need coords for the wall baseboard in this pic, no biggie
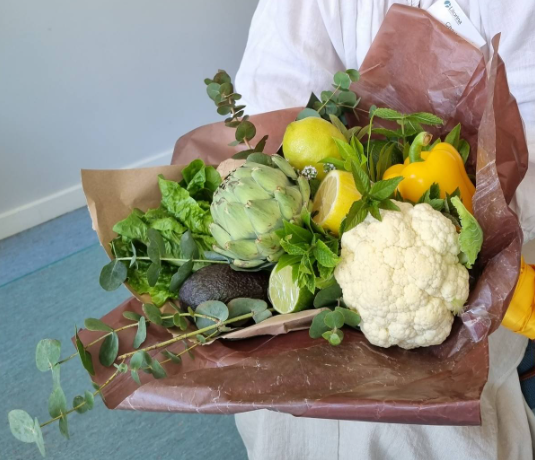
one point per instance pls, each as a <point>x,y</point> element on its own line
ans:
<point>49,207</point>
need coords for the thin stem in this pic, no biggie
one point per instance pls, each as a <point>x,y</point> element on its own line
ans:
<point>189,334</point>
<point>169,259</point>
<point>107,382</point>
<point>107,334</point>
<point>328,99</point>
<point>415,150</point>
<point>368,143</point>
<point>189,348</point>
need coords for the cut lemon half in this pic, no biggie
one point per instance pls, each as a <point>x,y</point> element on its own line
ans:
<point>333,200</point>
<point>285,295</point>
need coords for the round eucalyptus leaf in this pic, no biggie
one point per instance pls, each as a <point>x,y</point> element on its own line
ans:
<point>306,113</point>
<point>89,399</point>
<point>21,425</point>
<point>212,308</point>
<point>318,326</point>
<point>109,350</point>
<point>94,324</point>
<point>38,437</point>
<point>47,354</point>
<point>245,130</point>
<point>328,296</point>
<point>121,368</point>
<point>57,403</point>
<point>354,74</point>
<point>77,401</point>
<point>188,246</point>
<point>262,316</point>
<point>334,319</point>
<point>243,305</point>
<point>213,89</point>
<point>140,359</point>
<point>342,79</point>
<point>113,275</point>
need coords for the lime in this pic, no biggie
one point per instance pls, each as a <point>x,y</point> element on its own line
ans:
<point>285,295</point>
<point>310,140</point>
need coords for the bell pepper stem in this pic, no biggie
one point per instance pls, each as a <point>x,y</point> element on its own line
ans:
<point>420,141</point>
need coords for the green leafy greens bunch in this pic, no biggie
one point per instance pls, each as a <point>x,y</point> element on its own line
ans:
<point>156,250</point>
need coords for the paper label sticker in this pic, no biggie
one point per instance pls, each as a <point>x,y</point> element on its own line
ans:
<point>449,13</point>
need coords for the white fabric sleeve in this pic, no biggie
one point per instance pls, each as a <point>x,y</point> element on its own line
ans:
<point>289,54</point>
<point>515,19</point>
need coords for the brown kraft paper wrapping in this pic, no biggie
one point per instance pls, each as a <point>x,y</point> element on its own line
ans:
<point>414,64</point>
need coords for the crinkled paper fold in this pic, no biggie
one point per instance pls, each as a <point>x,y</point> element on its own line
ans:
<point>414,64</point>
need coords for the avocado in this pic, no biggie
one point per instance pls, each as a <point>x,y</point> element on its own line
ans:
<point>220,282</point>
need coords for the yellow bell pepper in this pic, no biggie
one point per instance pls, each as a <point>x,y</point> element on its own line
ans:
<point>520,316</point>
<point>442,165</point>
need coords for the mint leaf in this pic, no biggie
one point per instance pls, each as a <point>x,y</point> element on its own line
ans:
<point>425,118</point>
<point>387,114</point>
<point>325,256</point>
<point>362,181</point>
<point>357,213</point>
<point>453,136</point>
<point>385,188</point>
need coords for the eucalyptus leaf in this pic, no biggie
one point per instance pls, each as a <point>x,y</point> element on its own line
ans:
<point>47,354</point>
<point>135,377</point>
<point>57,403</point>
<point>188,246</point>
<point>262,316</point>
<point>246,130</point>
<point>153,273</point>
<point>94,324</point>
<point>21,425</point>
<point>306,113</point>
<point>318,326</point>
<point>56,375</point>
<point>157,371</point>
<point>342,79</point>
<point>85,356</point>
<point>38,437</point>
<point>334,337</point>
<point>141,333</point>
<point>133,316</point>
<point>172,356</point>
<point>152,313</point>
<point>113,275</point>
<point>351,318</point>
<point>121,368</point>
<point>89,399</point>
<point>328,296</point>
<point>213,308</point>
<point>79,401</point>
<point>354,74</point>
<point>156,246</point>
<point>334,319</point>
<point>183,272</point>
<point>180,321</point>
<point>109,350</point>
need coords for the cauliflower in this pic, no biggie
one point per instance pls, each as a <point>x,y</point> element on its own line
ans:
<point>403,276</point>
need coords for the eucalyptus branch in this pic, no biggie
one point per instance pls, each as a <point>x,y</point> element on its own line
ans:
<point>95,393</point>
<point>189,334</point>
<point>170,259</point>
<point>322,106</point>
<point>187,350</point>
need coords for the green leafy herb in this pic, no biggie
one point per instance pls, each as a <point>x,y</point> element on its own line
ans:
<point>471,237</point>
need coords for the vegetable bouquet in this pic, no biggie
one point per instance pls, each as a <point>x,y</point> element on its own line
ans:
<point>364,224</point>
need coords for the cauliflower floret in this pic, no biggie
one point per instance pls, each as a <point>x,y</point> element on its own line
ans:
<point>403,276</point>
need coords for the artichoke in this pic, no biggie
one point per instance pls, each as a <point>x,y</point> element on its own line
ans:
<point>251,204</point>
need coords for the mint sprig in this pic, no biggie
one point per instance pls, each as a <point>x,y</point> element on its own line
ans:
<point>374,197</point>
<point>312,253</point>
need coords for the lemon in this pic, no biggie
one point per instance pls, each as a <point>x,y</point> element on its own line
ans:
<point>333,199</point>
<point>285,295</point>
<point>310,140</point>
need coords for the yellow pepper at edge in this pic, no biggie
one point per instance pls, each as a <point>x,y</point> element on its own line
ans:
<point>442,165</point>
<point>520,316</point>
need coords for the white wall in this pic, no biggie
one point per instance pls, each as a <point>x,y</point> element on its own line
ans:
<point>102,84</point>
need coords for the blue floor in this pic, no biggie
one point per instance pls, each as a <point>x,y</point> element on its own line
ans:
<point>49,283</point>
